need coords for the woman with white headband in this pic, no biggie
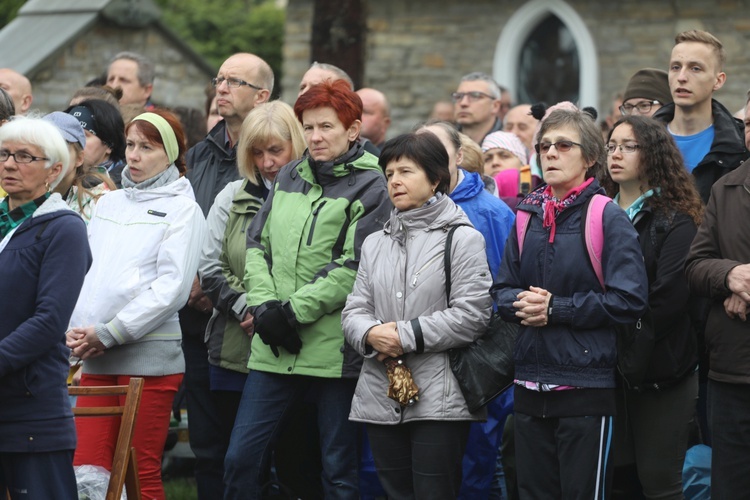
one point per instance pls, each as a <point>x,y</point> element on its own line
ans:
<point>146,240</point>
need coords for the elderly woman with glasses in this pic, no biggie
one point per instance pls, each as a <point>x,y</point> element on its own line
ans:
<point>566,350</point>
<point>44,257</point>
<point>146,241</point>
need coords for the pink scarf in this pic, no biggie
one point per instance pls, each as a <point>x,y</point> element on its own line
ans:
<point>554,207</point>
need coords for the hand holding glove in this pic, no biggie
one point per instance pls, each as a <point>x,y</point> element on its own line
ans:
<point>277,326</point>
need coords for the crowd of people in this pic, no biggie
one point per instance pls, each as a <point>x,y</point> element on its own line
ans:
<point>286,261</point>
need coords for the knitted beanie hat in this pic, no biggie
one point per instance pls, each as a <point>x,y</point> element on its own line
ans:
<point>649,83</point>
<point>507,141</point>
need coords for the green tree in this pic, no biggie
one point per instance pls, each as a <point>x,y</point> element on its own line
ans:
<point>219,28</point>
<point>9,10</point>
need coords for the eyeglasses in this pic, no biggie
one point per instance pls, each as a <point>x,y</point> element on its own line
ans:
<point>233,83</point>
<point>643,107</point>
<point>473,96</point>
<point>624,148</point>
<point>560,146</point>
<point>19,156</point>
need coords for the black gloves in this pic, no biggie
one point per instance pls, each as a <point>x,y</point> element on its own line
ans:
<point>277,326</point>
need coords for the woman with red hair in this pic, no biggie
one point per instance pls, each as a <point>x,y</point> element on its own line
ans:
<point>146,240</point>
<point>302,259</point>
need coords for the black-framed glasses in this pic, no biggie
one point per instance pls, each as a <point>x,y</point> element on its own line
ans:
<point>560,146</point>
<point>233,83</point>
<point>643,107</point>
<point>20,156</point>
<point>473,96</point>
<point>624,148</point>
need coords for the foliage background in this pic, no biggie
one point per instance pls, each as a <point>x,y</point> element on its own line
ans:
<point>215,29</point>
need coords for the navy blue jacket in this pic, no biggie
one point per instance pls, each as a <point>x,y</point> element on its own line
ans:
<point>577,347</point>
<point>490,216</point>
<point>41,273</point>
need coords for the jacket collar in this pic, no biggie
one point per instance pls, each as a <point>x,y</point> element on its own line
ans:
<point>438,215</point>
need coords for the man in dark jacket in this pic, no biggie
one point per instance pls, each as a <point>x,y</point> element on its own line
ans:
<point>718,266</point>
<point>710,138</point>
<point>243,81</point>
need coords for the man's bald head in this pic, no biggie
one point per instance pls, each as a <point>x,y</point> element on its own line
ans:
<point>19,88</point>
<point>376,115</point>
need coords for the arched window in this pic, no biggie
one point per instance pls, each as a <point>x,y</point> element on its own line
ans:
<point>548,65</point>
<point>546,53</point>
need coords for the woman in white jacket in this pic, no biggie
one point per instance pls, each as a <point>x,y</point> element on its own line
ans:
<point>146,241</point>
<point>399,309</point>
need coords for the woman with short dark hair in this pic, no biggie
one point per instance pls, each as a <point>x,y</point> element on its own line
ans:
<point>399,310</point>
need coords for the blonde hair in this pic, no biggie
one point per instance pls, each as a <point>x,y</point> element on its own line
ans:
<point>268,121</point>
<point>473,158</point>
<point>706,38</point>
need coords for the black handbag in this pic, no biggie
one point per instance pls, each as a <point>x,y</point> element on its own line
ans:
<point>484,368</point>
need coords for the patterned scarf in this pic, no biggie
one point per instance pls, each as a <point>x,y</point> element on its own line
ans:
<point>554,207</point>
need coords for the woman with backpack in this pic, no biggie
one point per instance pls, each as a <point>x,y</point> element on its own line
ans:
<point>566,350</point>
<point>647,178</point>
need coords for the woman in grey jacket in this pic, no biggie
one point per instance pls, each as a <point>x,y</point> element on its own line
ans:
<point>398,309</point>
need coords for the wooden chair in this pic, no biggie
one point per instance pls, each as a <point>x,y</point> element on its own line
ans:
<point>124,466</point>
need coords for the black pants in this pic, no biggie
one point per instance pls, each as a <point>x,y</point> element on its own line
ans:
<point>563,457</point>
<point>419,460</point>
<point>729,419</point>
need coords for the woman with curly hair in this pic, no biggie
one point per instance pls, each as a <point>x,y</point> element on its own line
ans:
<point>648,179</point>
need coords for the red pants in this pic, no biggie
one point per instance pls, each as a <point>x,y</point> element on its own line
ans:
<point>97,436</point>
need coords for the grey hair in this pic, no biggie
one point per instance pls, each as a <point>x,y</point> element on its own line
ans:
<point>7,108</point>
<point>343,75</point>
<point>592,142</point>
<point>40,133</point>
<point>483,77</point>
<point>146,72</point>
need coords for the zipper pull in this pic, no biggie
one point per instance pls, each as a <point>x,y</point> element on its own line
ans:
<point>638,324</point>
<point>414,281</point>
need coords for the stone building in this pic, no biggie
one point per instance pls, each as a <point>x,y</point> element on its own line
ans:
<point>62,44</point>
<point>539,49</point>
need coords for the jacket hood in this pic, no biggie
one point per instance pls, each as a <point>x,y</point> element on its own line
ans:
<point>470,187</point>
<point>180,187</point>
<point>53,204</point>
<point>440,214</point>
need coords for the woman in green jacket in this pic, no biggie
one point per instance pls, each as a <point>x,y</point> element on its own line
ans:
<point>302,259</point>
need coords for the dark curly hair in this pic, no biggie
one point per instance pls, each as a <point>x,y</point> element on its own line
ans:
<point>661,166</point>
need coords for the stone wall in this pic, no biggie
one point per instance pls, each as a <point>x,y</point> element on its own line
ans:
<point>179,81</point>
<point>418,50</point>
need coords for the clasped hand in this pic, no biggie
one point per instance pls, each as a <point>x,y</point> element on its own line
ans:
<point>384,339</point>
<point>84,343</point>
<point>532,305</point>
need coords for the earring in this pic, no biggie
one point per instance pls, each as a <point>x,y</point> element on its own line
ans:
<point>48,188</point>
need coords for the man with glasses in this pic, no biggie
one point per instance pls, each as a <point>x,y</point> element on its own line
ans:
<point>710,138</point>
<point>476,104</point>
<point>243,81</point>
<point>646,93</point>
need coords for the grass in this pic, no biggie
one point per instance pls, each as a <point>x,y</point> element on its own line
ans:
<point>180,488</point>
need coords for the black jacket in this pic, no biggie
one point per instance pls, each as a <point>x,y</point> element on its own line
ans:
<point>211,166</point>
<point>727,151</point>
<point>665,245</point>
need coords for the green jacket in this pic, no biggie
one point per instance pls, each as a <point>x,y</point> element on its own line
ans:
<point>304,247</point>
<point>222,270</point>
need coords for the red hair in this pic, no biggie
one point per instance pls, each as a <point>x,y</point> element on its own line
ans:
<point>336,95</point>
<point>150,132</point>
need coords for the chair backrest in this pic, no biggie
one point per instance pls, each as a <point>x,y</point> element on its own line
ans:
<point>124,466</point>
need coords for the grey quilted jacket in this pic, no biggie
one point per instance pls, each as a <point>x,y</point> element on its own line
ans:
<point>401,278</point>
